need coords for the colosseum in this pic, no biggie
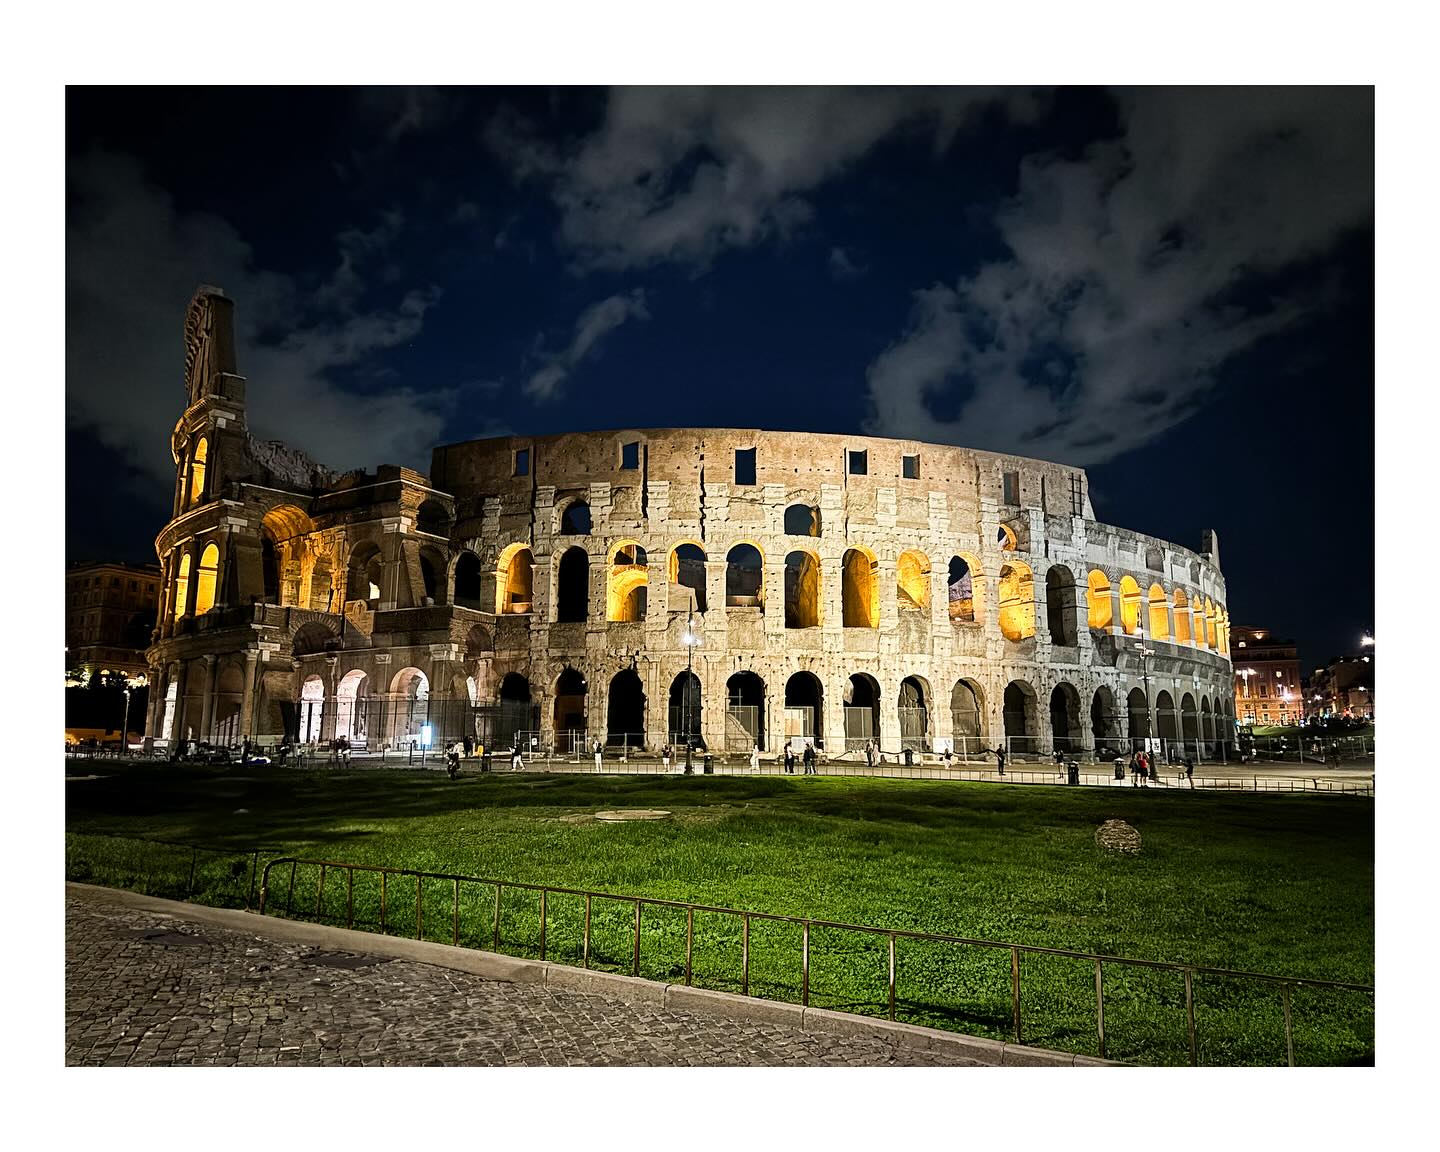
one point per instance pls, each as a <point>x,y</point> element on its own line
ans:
<point>738,586</point>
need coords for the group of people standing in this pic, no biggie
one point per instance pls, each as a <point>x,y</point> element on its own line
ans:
<point>807,758</point>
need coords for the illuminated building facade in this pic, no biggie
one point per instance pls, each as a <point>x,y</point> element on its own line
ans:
<point>1267,678</point>
<point>109,615</point>
<point>555,590</point>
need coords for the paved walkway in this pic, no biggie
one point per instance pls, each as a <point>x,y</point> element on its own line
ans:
<point>146,988</point>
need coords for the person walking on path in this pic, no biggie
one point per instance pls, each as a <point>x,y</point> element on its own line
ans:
<point>789,760</point>
<point>1190,771</point>
<point>1000,756</point>
<point>810,759</point>
<point>755,757</point>
<point>599,754</point>
<point>1154,770</point>
<point>665,758</point>
<point>1135,769</point>
<point>516,763</point>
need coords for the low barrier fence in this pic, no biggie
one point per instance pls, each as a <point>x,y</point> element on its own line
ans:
<point>1166,1012</point>
<point>224,878</point>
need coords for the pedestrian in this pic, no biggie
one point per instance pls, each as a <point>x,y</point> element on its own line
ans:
<point>755,758</point>
<point>452,759</point>
<point>469,746</point>
<point>1134,770</point>
<point>789,760</point>
<point>810,759</point>
<point>665,758</point>
<point>948,756</point>
<point>599,751</point>
<point>1154,770</point>
<point>1000,756</point>
<point>869,754</point>
<point>516,762</point>
<point>1190,770</point>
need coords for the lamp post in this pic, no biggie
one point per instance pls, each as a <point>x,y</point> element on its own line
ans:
<point>1245,674</point>
<point>125,723</point>
<point>691,641</point>
<point>1145,653</point>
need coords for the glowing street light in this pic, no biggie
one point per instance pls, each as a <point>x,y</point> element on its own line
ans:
<point>1367,641</point>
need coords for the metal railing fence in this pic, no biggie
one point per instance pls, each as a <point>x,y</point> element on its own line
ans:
<point>155,867</point>
<point>891,938</point>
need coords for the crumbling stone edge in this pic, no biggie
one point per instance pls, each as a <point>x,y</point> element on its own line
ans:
<point>636,989</point>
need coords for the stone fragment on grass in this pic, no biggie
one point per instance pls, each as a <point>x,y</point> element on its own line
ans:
<point>1118,836</point>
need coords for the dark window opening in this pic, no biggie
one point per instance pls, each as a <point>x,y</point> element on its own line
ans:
<point>745,466</point>
<point>522,462</point>
<point>858,464</point>
<point>1012,488</point>
<point>630,455</point>
<point>910,467</point>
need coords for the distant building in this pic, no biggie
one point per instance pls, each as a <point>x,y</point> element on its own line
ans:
<point>109,615</point>
<point>1345,687</point>
<point>1267,678</point>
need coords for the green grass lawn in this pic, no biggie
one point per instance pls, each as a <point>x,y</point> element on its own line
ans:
<point>1272,883</point>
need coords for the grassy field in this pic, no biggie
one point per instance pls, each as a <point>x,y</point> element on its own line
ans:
<point>1280,884</point>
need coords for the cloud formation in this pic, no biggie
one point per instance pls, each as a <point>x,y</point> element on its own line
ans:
<point>680,174</point>
<point>1135,271</point>
<point>133,260</point>
<point>600,318</point>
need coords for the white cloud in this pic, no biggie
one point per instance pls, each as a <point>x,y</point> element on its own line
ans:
<point>842,267</point>
<point>133,260</point>
<point>682,174</point>
<point>594,323</point>
<point>1119,301</point>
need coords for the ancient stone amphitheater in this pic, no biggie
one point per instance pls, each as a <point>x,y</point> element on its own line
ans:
<point>743,586</point>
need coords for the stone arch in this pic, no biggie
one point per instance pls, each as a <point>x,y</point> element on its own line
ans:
<point>802,590</point>
<point>805,708</point>
<point>515,714</point>
<point>1159,613</point>
<point>1210,624</point>
<point>861,703</point>
<point>351,715</point>
<point>312,709</point>
<point>912,581</point>
<point>569,711</point>
<point>625,710</point>
<point>967,717</point>
<point>861,605</point>
<point>802,520</point>
<point>515,581</point>
<point>914,713</point>
<point>468,580</point>
<point>312,638</point>
<point>1207,721</point>
<point>745,576</point>
<point>575,519</point>
<point>206,578</point>
<point>1060,606</point>
<point>687,569</point>
<point>1154,558</point>
<point>1017,601</point>
<point>1166,720</point>
<point>479,644</point>
<point>1065,732</point>
<point>686,709</point>
<point>1182,617</point>
<point>1104,718</point>
<point>1138,715</point>
<point>182,584</point>
<point>363,573</point>
<point>1189,720</point>
<point>572,586</point>
<point>283,553</point>
<point>1197,616</point>
<point>745,711</point>
<point>1100,611</point>
<point>432,575</point>
<point>196,491</point>
<point>433,517</point>
<point>1006,539</point>
<point>1129,605</point>
<point>961,589</point>
<point>1022,722</point>
<point>627,587</point>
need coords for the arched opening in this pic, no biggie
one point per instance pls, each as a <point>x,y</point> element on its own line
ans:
<point>685,709</point>
<point>411,692</point>
<point>206,579</point>
<point>967,718</point>
<point>433,517</point>
<point>313,638</point>
<point>1166,721</point>
<point>744,582</point>
<point>322,585</point>
<point>627,598</point>
<point>1210,624</point>
<point>1197,615</point>
<point>1097,600</point>
<point>804,710</point>
<point>802,590</point>
<point>351,720</point>
<point>569,717</point>
<point>1065,719</point>
<point>914,712</point>
<point>961,591</point>
<point>1104,720</point>
<point>282,563</point>
<point>514,715</point>
<point>862,710</point>
<point>625,710</point>
<point>182,585</point>
<point>575,519</point>
<point>1159,613</point>
<point>515,581</point>
<point>1154,559</point>
<point>467,581</point>
<point>1182,617</point>
<point>312,709</point>
<point>1138,715</point>
<point>1129,605</point>
<point>1207,722</point>
<point>197,471</point>
<point>744,712</point>
<point>861,605</point>
<point>167,723</point>
<point>572,593</point>
<point>1060,606</point>
<point>432,581</point>
<point>363,574</point>
<point>912,582</point>
<point>802,520</point>
<point>1017,602</point>
<point>687,569</point>
<point>1006,538</point>
<point>1189,721</point>
<point>229,699</point>
<point>1021,720</point>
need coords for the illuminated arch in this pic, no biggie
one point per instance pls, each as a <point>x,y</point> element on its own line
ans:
<point>745,576</point>
<point>1098,601</point>
<point>1159,613</point>
<point>802,590</point>
<point>1129,605</point>
<point>914,713</point>
<point>1210,624</point>
<point>205,579</point>
<point>861,605</point>
<point>963,587</point>
<point>628,583</point>
<point>350,715</point>
<point>1182,617</point>
<point>1006,538</point>
<point>1017,601</point>
<point>1197,613</point>
<point>312,709</point>
<point>182,585</point>
<point>197,471</point>
<point>687,569</point>
<point>912,581</point>
<point>515,581</point>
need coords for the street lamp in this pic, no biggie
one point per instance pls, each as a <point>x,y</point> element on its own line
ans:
<point>691,641</point>
<point>125,723</point>
<point>1367,641</point>
<point>1145,653</point>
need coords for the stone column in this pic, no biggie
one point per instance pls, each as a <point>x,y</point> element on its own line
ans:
<point>177,726</point>
<point>327,717</point>
<point>247,703</point>
<point>207,700</point>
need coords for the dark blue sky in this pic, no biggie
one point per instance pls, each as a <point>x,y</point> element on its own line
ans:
<point>1172,288</point>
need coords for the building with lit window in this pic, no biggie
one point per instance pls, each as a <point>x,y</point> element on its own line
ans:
<point>1345,687</point>
<point>109,616</point>
<point>1267,678</point>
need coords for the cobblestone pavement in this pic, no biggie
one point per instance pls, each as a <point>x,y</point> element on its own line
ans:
<point>144,988</point>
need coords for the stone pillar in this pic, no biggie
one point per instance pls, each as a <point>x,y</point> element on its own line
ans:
<point>247,703</point>
<point>327,717</point>
<point>207,700</point>
<point>177,726</point>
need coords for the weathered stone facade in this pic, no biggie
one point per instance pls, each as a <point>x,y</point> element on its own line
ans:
<point>840,588</point>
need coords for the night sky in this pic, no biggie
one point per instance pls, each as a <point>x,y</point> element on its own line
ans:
<point>1173,288</point>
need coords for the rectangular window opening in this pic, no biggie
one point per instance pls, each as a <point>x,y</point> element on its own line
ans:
<point>522,462</point>
<point>745,466</point>
<point>1012,488</point>
<point>858,463</point>
<point>910,467</point>
<point>630,455</point>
